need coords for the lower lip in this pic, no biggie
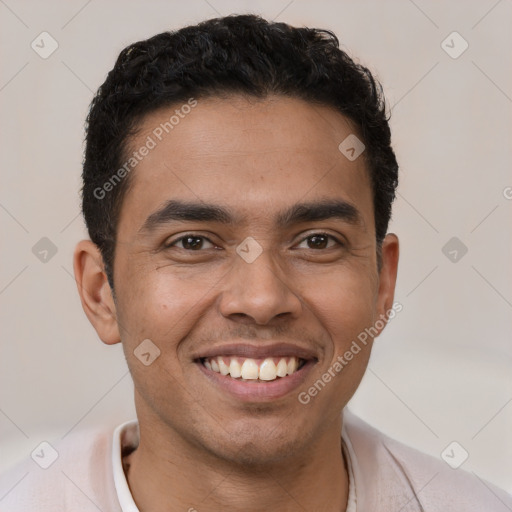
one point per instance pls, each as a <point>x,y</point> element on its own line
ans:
<point>250,391</point>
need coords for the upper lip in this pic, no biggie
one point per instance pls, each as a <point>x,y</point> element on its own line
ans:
<point>259,351</point>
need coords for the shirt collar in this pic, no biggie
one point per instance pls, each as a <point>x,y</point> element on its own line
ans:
<point>126,439</point>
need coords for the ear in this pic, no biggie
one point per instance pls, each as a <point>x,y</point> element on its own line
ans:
<point>95,292</point>
<point>387,276</point>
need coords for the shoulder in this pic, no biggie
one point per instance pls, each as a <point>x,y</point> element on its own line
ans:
<point>74,474</point>
<point>391,474</point>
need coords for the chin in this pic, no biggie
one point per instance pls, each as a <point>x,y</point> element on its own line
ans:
<point>254,446</point>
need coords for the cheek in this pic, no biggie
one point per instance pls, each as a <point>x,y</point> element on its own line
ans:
<point>162,305</point>
<point>344,303</point>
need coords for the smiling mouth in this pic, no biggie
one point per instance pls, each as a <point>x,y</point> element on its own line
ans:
<point>247,369</point>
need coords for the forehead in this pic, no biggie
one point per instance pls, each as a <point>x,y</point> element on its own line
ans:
<point>255,156</point>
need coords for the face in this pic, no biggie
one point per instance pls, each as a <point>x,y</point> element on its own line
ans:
<point>246,245</point>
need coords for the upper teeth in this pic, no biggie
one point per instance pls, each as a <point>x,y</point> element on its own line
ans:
<point>252,369</point>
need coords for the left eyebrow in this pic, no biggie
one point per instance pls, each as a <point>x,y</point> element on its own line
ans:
<point>320,210</point>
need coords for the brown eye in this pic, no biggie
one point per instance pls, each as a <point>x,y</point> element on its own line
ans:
<point>192,243</point>
<point>317,242</point>
<point>320,241</point>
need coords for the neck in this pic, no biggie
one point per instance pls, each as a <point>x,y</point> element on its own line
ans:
<point>164,473</point>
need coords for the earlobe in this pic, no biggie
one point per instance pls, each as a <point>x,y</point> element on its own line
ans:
<point>387,275</point>
<point>95,292</point>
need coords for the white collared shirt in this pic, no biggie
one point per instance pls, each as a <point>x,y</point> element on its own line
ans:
<point>85,474</point>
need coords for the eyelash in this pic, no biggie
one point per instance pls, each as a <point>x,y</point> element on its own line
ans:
<point>193,235</point>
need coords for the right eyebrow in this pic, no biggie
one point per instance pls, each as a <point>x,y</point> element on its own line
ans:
<point>187,211</point>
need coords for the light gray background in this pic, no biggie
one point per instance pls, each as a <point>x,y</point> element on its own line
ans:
<point>441,371</point>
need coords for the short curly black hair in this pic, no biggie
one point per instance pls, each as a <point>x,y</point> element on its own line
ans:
<point>238,54</point>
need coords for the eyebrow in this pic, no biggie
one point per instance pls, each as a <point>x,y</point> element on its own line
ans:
<point>320,210</point>
<point>175,210</point>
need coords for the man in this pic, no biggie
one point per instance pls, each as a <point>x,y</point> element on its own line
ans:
<point>238,182</point>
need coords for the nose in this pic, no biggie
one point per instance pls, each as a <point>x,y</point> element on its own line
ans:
<point>258,292</point>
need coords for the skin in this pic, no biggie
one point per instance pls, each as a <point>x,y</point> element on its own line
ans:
<point>201,447</point>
